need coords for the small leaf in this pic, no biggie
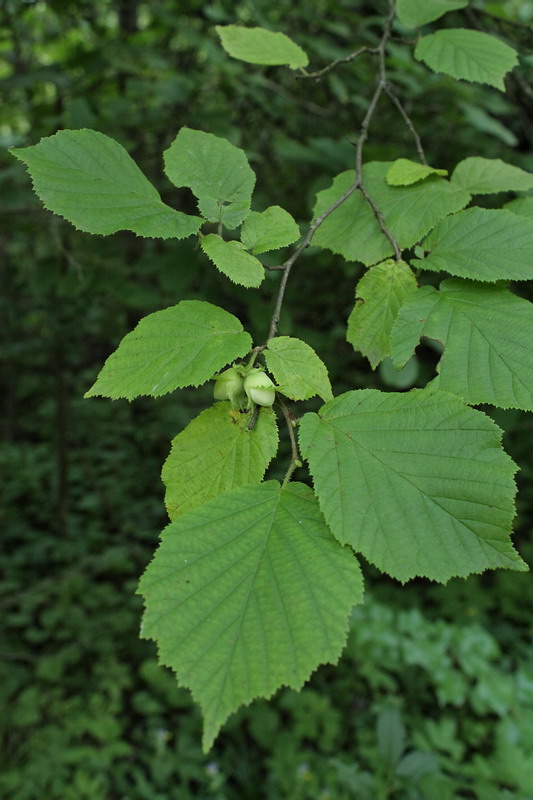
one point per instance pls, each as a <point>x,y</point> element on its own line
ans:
<point>247,593</point>
<point>404,172</point>
<point>416,13</point>
<point>216,171</point>
<point>91,181</point>
<point>269,230</point>
<point>259,46</point>
<point>379,295</point>
<point>467,55</point>
<point>482,244</point>
<point>215,453</point>
<point>232,260</point>
<point>298,371</point>
<point>183,345</point>
<point>487,333</point>
<point>489,175</point>
<point>416,482</point>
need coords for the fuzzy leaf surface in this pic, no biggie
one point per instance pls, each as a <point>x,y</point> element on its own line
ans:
<point>216,171</point>
<point>488,175</point>
<point>233,261</point>
<point>404,172</point>
<point>269,230</point>
<point>299,372</point>
<point>487,333</point>
<point>183,345</point>
<point>467,55</point>
<point>379,295</point>
<point>416,13</point>
<point>416,482</point>
<point>409,212</point>
<point>90,180</point>
<point>260,46</point>
<point>482,244</point>
<point>523,206</point>
<point>247,593</point>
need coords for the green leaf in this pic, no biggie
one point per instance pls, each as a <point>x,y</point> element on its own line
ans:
<point>416,13</point>
<point>259,46</point>
<point>489,175</point>
<point>487,333</point>
<point>216,171</point>
<point>298,371</point>
<point>409,212</point>
<point>232,260</point>
<point>523,206</point>
<point>379,295</point>
<point>248,593</point>
<point>482,244</point>
<point>183,345</point>
<point>91,181</point>
<point>404,172</point>
<point>467,55</point>
<point>215,453</point>
<point>416,482</point>
<point>269,230</point>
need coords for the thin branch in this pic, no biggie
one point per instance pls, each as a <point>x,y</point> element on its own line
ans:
<point>344,60</point>
<point>295,461</point>
<point>408,121</point>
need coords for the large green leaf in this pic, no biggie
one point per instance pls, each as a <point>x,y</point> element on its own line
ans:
<point>183,345</point>
<point>260,46</point>
<point>215,453</point>
<point>298,371</point>
<point>269,230</point>
<point>482,244</point>
<point>416,482</point>
<point>487,175</point>
<point>416,13</point>
<point>409,212</point>
<point>232,260</point>
<point>467,55</point>
<point>247,593</point>
<point>487,333</point>
<point>90,180</point>
<point>216,171</point>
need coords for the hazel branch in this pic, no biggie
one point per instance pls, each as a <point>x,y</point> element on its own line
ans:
<point>334,64</point>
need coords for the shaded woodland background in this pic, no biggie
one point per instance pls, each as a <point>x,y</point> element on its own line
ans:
<point>434,696</point>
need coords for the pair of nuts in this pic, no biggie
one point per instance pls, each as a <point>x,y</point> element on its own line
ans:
<point>256,385</point>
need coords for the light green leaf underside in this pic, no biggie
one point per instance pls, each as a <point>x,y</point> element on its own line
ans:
<point>523,206</point>
<point>416,13</point>
<point>482,244</point>
<point>409,212</point>
<point>232,260</point>
<point>467,55</point>
<point>297,369</point>
<point>216,171</point>
<point>247,593</point>
<point>404,172</point>
<point>269,230</point>
<point>488,175</point>
<point>487,333</point>
<point>259,46</point>
<point>216,453</point>
<point>416,482</point>
<point>183,345</point>
<point>379,295</point>
<point>91,181</point>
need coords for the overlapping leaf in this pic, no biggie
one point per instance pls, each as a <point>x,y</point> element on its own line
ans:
<point>523,206</point>
<point>379,295</point>
<point>297,369</point>
<point>269,230</point>
<point>216,171</point>
<point>482,244</point>
<point>409,212</point>
<point>404,172</point>
<point>467,55</point>
<point>416,482</point>
<point>487,333</point>
<point>215,453</point>
<point>247,593</point>
<point>487,175</point>
<point>416,13</point>
<point>183,345</point>
<point>232,260</point>
<point>260,46</point>
<point>91,181</point>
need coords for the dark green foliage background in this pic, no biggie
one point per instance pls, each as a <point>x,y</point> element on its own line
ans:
<point>86,712</point>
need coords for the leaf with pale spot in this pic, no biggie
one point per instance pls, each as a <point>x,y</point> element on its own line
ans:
<point>299,372</point>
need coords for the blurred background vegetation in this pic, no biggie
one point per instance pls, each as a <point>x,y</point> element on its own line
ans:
<point>434,696</point>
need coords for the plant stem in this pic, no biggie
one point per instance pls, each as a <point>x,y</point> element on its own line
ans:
<point>295,461</point>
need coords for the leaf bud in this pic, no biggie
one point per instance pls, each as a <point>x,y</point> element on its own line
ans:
<point>228,386</point>
<point>259,388</point>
